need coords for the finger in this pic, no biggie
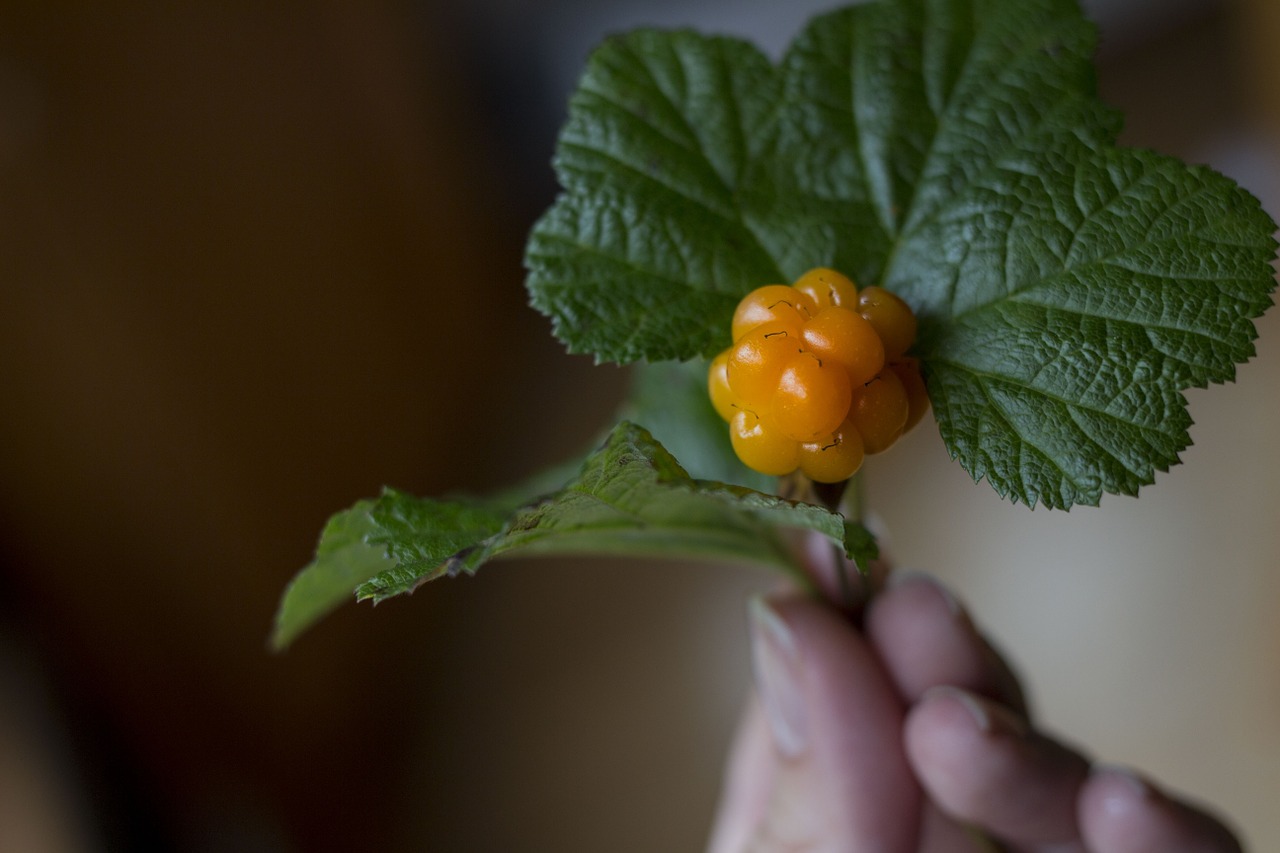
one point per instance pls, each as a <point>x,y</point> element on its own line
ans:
<point>1122,813</point>
<point>842,780</point>
<point>981,764</point>
<point>836,577</point>
<point>926,640</point>
<point>749,779</point>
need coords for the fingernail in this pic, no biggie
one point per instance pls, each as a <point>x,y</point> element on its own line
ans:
<point>778,678</point>
<point>1128,778</point>
<point>1123,792</point>
<point>990,718</point>
<point>911,576</point>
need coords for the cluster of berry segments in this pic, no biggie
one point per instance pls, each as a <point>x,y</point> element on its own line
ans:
<point>817,376</point>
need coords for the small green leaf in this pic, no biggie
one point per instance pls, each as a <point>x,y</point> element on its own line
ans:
<point>631,497</point>
<point>343,561</point>
<point>396,536</point>
<point>952,150</point>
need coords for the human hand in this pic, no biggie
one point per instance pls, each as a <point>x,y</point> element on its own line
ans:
<point>899,734</point>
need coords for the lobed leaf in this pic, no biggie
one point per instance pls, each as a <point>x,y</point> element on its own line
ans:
<point>1058,353</point>
<point>952,150</point>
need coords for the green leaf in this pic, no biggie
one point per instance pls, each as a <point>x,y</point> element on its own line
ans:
<point>647,253</point>
<point>343,561</point>
<point>952,150</point>
<point>427,539</point>
<point>630,497</point>
<point>694,170</point>
<point>1057,359</point>
<point>397,536</point>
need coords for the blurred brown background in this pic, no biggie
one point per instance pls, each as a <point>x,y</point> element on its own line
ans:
<point>260,261</point>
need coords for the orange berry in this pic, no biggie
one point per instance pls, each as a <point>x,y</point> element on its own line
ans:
<point>879,411</point>
<point>812,398</point>
<point>722,398</point>
<point>892,318</point>
<point>817,376</point>
<point>772,303</point>
<point>833,458</point>
<point>756,360</point>
<point>761,446</point>
<point>908,370</point>
<point>828,287</point>
<point>839,335</point>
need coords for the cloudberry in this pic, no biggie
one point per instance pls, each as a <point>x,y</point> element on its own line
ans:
<point>817,376</point>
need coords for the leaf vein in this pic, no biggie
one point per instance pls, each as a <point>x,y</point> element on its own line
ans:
<point>983,377</point>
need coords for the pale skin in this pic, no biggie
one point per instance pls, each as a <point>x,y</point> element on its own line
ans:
<point>900,730</point>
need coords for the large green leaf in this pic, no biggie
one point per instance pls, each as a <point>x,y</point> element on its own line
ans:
<point>1058,355</point>
<point>952,150</point>
<point>695,170</point>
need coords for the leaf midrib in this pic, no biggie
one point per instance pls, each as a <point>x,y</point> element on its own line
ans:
<point>943,127</point>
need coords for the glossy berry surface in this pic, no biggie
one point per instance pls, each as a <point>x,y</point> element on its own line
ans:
<point>722,397</point>
<point>908,371</point>
<point>892,319</point>
<point>839,335</point>
<point>812,397</point>
<point>833,458</point>
<point>772,303</point>
<point>761,446</point>
<point>827,287</point>
<point>879,412</point>
<point>756,361</point>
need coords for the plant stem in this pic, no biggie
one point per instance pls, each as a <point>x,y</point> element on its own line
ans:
<point>845,498</point>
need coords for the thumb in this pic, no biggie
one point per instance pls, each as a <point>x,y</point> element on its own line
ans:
<point>839,778</point>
